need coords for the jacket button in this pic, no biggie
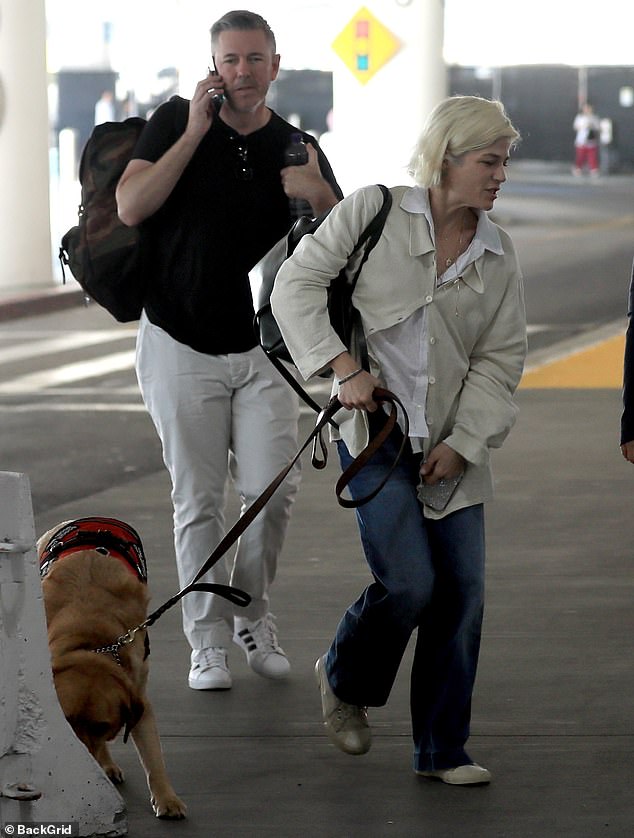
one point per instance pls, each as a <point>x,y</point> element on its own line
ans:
<point>432,380</point>
<point>428,298</point>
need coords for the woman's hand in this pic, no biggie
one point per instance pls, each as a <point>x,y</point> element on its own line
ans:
<point>442,463</point>
<point>357,393</point>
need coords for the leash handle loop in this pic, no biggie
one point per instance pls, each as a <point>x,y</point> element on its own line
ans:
<point>381,396</point>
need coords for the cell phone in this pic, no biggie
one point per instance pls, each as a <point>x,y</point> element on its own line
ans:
<point>438,495</point>
<point>218,99</point>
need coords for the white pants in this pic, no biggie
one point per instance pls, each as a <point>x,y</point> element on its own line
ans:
<point>220,415</point>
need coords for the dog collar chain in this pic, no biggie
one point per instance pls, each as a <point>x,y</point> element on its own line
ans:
<point>112,649</point>
<point>124,640</point>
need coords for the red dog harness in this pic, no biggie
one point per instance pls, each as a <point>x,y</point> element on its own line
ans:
<point>108,536</point>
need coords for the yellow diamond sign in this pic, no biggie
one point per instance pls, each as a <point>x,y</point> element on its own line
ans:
<point>365,45</point>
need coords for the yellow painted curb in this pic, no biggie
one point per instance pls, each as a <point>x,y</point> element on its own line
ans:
<point>599,366</point>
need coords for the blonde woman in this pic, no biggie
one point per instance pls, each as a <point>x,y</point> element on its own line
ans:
<point>442,310</point>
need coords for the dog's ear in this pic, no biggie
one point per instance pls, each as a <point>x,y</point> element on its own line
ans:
<point>131,714</point>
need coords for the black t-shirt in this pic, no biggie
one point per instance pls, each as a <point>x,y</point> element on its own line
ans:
<point>227,209</point>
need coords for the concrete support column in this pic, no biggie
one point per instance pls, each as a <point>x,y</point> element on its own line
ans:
<point>46,773</point>
<point>376,124</point>
<point>25,239</point>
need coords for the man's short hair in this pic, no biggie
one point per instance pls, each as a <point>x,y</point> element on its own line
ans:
<point>244,21</point>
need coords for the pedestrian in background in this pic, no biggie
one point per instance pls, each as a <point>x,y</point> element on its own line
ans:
<point>442,310</point>
<point>105,109</point>
<point>208,186</point>
<point>587,128</point>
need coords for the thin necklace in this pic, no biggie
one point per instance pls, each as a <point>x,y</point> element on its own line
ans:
<point>449,260</point>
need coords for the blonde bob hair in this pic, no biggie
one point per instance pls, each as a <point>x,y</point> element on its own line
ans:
<point>457,125</point>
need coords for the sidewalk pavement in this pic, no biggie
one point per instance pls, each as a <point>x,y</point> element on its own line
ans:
<point>552,715</point>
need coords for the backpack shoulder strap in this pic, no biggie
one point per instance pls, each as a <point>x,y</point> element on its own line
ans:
<point>294,383</point>
<point>371,234</point>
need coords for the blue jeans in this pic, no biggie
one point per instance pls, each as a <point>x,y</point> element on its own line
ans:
<point>428,575</point>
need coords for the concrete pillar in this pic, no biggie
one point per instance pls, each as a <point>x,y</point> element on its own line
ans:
<point>46,773</point>
<point>376,124</point>
<point>25,240</point>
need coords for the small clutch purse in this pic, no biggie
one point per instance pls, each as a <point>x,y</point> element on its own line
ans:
<point>438,496</point>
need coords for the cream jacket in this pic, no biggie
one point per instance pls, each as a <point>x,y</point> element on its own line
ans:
<point>476,327</point>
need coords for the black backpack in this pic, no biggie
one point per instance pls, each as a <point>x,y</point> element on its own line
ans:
<point>342,313</point>
<point>102,253</point>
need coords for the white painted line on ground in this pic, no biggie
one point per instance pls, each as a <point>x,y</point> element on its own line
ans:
<point>99,392</point>
<point>73,407</point>
<point>68,373</point>
<point>60,343</point>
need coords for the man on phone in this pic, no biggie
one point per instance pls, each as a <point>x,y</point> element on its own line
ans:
<point>208,186</point>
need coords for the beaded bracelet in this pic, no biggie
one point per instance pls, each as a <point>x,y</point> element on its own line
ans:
<point>350,375</point>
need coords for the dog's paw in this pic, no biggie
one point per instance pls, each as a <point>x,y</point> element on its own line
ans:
<point>114,773</point>
<point>169,807</point>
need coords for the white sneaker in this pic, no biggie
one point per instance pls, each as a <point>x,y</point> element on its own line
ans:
<point>462,775</point>
<point>209,670</point>
<point>346,724</point>
<point>258,640</point>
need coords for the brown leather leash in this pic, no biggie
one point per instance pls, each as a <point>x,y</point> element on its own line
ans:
<point>241,598</point>
<point>381,396</point>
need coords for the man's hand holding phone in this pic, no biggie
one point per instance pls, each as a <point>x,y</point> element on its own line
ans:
<point>308,184</point>
<point>217,89</point>
<point>205,104</point>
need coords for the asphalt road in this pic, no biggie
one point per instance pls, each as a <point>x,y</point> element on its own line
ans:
<point>574,238</point>
<point>70,413</point>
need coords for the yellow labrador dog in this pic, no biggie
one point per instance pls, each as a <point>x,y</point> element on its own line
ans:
<point>94,582</point>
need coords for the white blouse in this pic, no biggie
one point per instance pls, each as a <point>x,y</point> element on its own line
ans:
<point>401,350</point>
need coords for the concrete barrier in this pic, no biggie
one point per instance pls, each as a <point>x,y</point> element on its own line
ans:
<point>46,774</point>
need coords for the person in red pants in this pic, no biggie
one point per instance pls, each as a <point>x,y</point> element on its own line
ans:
<point>586,126</point>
